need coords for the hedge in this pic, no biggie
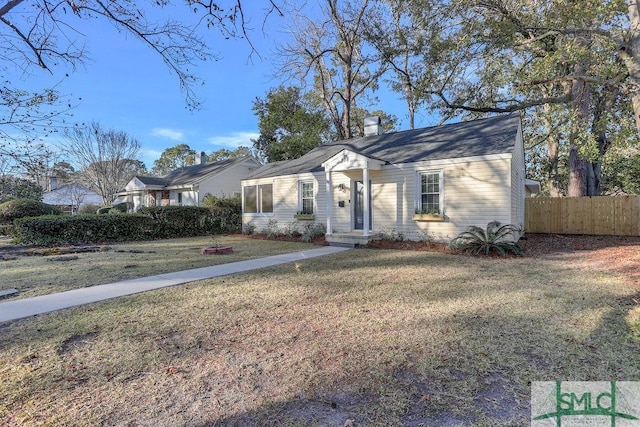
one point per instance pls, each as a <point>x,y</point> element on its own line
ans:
<point>49,229</point>
<point>223,216</point>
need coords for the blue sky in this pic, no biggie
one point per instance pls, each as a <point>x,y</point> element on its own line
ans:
<point>125,86</point>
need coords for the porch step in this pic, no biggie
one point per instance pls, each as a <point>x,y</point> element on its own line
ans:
<point>348,240</point>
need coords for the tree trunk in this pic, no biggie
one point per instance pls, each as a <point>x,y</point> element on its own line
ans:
<point>554,178</point>
<point>581,98</point>
<point>577,174</point>
<point>553,150</point>
<point>630,54</point>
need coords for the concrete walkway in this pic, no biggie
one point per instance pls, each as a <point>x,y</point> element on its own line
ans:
<point>12,310</point>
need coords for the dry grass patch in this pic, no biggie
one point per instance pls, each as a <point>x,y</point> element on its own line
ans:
<point>39,271</point>
<point>372,337</point>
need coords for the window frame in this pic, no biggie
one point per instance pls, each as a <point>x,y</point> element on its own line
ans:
<point>419,193</point>
<point>302,198</point>
<point>260,202</point>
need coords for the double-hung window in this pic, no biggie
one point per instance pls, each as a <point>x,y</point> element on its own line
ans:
<point>306,197</point>
<point>430,196</point>
<point>258,198</point>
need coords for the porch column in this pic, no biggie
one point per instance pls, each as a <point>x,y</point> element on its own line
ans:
<point>329,188</point>
<point>366,197</point>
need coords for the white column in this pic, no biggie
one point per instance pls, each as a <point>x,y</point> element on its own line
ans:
<point>329,188</point>
<point>366,197</point>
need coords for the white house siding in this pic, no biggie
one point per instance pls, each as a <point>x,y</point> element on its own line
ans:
<point>518,178</point>
<point>475,193</point>
<point>189,197</point>
<point>285,201</point>
<point>226,183</point>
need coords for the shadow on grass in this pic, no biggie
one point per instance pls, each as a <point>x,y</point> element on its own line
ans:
<point>386,338</point>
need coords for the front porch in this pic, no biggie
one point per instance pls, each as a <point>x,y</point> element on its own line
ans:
<point>350,239</point>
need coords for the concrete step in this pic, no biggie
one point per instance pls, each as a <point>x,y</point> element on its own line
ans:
<point>348,240</point>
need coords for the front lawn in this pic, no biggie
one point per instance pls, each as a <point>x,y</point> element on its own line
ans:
<point>364,337</point>
<point>41,270</point>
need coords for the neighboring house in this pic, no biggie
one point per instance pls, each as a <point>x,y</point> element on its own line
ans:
<point>71,197</point>
<point>189,185</point>
<point>423,183</point>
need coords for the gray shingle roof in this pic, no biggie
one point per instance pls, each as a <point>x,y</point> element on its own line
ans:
<point>494,135</point>
<point>190,174</point>
<point>152,180</point>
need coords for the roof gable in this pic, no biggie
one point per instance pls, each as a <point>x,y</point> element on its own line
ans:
<point>348,160</point>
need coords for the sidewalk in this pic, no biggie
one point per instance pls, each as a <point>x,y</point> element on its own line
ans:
<point>18,309</point>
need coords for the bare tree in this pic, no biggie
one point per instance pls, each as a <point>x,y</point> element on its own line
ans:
<point>331,51</point>
<point>43,35</point>
<point>103,156</point>
<point>406,35</point>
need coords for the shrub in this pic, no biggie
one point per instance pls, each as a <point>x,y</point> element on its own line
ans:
<point>89,208</point>
<point>291,229</point>
<point>177,221</point>
<point>45,230</point>
<point>120,207</point>
<point>272,230</point>
<point>495,238</point>
<point>249,228</point>
<point>20,208</point>
<point>391,235</point>
<point>313,231</point>
<point>103,210</point>
<point>225,214</point>
<point>18,188</point>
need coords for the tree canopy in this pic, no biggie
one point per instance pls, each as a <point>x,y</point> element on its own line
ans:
<point>225,153</point>
<point>173,158</point>
<point>41,35</point>
<point>289,123</point>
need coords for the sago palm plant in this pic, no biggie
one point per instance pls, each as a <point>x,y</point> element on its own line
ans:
<point>495,237</point>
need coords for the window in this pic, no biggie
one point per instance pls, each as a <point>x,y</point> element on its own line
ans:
<point>258,198</point>
<point>265,193</point>
<point>306,197</point>
<point>430,193</point>
<point>179,199</point>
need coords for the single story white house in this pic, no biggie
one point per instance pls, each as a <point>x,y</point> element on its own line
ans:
<point>188,186</point>
<point>71,197</point>
<point>424,183</point>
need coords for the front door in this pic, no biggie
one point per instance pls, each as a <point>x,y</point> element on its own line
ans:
<point>358,206</point>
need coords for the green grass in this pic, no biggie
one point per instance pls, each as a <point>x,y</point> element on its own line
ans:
<point>56,272</point>
<point>375,337</point>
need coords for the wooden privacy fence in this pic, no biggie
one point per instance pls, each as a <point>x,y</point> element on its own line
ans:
<point>609,215</point>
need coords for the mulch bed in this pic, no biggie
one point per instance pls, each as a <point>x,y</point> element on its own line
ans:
<point>617,254</point>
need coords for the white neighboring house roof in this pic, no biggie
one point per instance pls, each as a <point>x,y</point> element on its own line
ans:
<point>72,194</point>
<point>186,177</point>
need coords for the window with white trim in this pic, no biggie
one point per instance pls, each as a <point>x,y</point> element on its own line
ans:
<point>430,196</point>
<point>306,202</point>
<point>258,198</point>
